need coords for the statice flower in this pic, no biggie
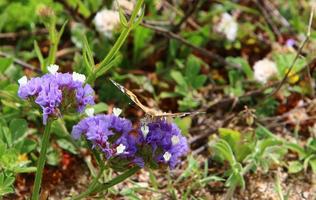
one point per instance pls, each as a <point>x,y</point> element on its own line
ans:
<point>57,93</point>
<point>110,133</point>
<point>167,145</point>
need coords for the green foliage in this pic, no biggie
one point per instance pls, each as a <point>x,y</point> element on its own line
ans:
<point>187,83</point>
<point>307,156</point>
<point>6,183</point>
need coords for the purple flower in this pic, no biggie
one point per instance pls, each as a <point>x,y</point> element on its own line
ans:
<point>57,93</point>
<point>156,143</point>
<point>110,133</point>
<point>290,42</point>
<point>166,142</point>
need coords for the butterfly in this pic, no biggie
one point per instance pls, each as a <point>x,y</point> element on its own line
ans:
<point>151,112</point>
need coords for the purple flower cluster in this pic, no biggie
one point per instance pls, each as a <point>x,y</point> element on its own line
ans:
<point>166,142</point>
<point>111,134</point>
<point>157,142</point>
<point>57,93</point>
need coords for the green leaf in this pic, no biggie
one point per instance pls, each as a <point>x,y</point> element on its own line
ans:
<point>66,145</point>
<point>122,17</point>
<point>184,124</point>
<point>88,56</point>
<point>39,55</point>
<point>231,136</point>
<point>199,81</point>
<point>18,128</point>
<point>225,151</point>
<point>5,63</point>
<point>193,67</point>
<point>312,163</point>
<point>295,167</point>
<point>100,107</point>
<point>178,77</point>
<point>296,148</point>
<point>244,65</point>
<point>104,68</point>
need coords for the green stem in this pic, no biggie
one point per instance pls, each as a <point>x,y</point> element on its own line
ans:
<point>41,161</point>
<point>120,178</point>
<point>91,186</point>
<point>118,44</point>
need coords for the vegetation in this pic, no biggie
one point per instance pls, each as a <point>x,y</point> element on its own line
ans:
<point>239,76</point>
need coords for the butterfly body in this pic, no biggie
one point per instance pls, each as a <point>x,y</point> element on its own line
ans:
<point>151,113</point>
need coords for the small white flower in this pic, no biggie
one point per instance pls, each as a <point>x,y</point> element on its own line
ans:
<point>22,81</point>
<point>117,111</point>
<point>175,140</point>
<point>78,77</point>
<point>228,26</point>
<point>264,70</point>
<point>120,149</point>
<point>53,68</point>
<point>89,112</point>
<point>106,21</point>
<point>167,156</point>
<point>125,4</point>
<point>145,130</point>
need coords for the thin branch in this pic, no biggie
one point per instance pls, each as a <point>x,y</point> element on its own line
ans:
<point>14,35</point>
<point>297,55</point>
<point>268,19</point>
<point>20,62</point>
<point>177,37</point>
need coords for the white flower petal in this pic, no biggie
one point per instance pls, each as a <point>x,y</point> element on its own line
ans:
<point>78,77</point>
<point>264,69</point>
<point>22,81</point>
<point>145,130</point>
<point>167,156</point>
<point>175,139</point>
<point>89,112</point>
<point>228,26</point>
<point>120,148</point>
<point>53,68</point>
<point>117,111</point>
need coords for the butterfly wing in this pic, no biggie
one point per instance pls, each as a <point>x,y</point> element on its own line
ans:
<point>180,114</point>
<point>131,95</point>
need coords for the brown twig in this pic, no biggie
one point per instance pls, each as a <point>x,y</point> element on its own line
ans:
<point>177,37</point>
<point>24,33</point>
<point>297,55</point>
<point>20,62</point>
<point>66,51</point>
<point>187,16</point>
<point>268,19</point>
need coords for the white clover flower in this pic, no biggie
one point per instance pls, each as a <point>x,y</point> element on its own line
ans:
<point>167,156</point>
<point>89,112</point>
<point>22,81</point>
<point>106,21</point>
<point>125,4</point>
<point>145,130</point>
<point>228,26</point>
<point>296,116</point>
<point>175,140</point>
<point>120,148</point>
<point>53,68</point>
<point>117,111</point>
<point>264,70</point>
<point>78,77</point>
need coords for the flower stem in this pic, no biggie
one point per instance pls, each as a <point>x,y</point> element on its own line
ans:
<point>120,178</point>
<point>91,186</point>
<point>41,161</point>
<point>118,44</point>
